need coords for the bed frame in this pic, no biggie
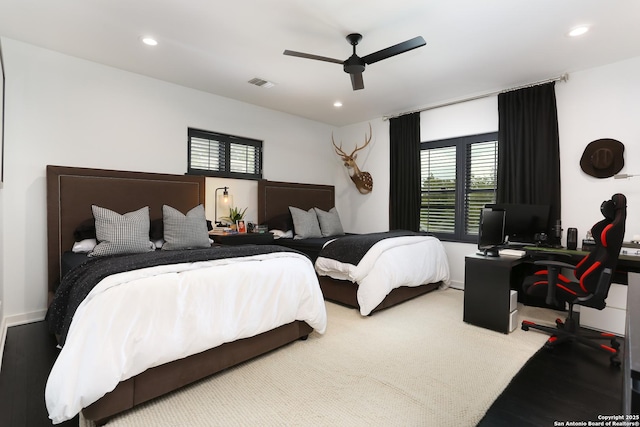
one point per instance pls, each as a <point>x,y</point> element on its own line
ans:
<point>274,199</point>
<point>70,193</point>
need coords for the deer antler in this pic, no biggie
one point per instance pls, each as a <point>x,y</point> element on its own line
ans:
<point>339,151</point>
<point>367,141</point>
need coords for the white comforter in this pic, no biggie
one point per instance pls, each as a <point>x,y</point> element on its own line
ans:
<point>389,264</point>
<point>136,320</point>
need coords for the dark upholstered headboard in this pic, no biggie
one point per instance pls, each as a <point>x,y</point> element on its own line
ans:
<point>71,192</point>
<point>274,198</point>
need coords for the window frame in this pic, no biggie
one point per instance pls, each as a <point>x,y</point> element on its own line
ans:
<point>229,141</point>
<point>462,144</point>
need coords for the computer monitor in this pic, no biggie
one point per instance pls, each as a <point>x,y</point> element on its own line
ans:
<point>491,231</point>
<point>523,221</point>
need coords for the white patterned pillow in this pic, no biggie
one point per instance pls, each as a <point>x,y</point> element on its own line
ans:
<point>184,231</point>
<point>305,223</point>
<point>330,224</point>
<point>121,234</point>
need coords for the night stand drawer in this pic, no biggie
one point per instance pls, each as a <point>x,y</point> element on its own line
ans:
<point>243,239</point>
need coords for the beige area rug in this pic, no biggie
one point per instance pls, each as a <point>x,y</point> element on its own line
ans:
<point>416,364</point>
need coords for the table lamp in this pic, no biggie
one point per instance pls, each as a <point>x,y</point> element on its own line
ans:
<point>225,200</point>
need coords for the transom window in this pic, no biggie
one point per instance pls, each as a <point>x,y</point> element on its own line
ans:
<point>458,177</point>
<point>227,156</point>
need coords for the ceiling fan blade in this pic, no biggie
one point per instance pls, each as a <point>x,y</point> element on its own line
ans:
<point>310,56</point>
<point>356,81</point>
<point>394,50</point>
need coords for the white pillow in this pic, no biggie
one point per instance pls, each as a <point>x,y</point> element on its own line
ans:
<point>84,246</point>
<point>305,223</point>
<point>279,234</point>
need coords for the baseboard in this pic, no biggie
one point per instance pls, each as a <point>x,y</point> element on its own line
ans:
<point>455,284</point>
<point>3,338</point>
<point>23,319</point>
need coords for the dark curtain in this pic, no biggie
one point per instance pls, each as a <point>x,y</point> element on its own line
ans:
<point>529,148</point>
<point>404,192</point>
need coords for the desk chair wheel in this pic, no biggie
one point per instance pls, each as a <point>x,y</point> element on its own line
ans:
<point>615,361</point>
<point>525,325</point>
<point>551,342</point>
<point>615,344</point>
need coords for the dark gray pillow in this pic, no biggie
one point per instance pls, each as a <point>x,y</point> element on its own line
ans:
<point>184,231</point>
<point>330,224</point>
<point>121,234</point>
<point>305,223</point>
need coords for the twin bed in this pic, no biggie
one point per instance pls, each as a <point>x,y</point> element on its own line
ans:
<point>186,328</point>
<point>396,270</point>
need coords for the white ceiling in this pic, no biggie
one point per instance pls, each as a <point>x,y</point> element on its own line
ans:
<point>473,47</point>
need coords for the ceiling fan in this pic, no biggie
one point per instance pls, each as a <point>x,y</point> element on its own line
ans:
<point>355,65</point>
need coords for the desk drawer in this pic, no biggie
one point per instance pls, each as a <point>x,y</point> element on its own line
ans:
<point>607,320</point>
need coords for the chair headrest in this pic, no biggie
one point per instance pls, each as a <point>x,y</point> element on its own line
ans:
<point>609,207</point>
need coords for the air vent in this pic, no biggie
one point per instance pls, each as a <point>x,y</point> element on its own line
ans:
<point>261,83</point>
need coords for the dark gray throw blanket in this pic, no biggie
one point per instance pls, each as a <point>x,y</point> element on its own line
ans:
<point>77,284</point>
<point>350,249</point>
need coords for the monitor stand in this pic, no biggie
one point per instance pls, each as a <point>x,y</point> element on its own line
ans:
<point>489,252</point>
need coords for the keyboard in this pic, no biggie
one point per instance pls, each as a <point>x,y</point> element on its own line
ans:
<point>512,252</point>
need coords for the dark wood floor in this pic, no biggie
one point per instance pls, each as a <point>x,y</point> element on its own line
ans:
<point>572,383</point>
<point>29,353</point>
<point>569,383</point>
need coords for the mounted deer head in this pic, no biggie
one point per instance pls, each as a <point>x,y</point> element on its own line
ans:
<point>362,180</point>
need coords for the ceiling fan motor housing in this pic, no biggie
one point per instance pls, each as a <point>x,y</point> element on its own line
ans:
<point>354,65</point>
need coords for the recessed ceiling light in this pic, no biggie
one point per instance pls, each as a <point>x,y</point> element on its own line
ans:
<point>337,104</point>
<point>149,41</point>
<point>578,31</point>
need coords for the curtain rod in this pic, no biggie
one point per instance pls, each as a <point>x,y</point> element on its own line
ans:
<point>562,78</point>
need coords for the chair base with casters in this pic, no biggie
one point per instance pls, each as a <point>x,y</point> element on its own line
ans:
<point>569,330</point>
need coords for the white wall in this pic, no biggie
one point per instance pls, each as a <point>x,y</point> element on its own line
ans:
<point>65,111</point>
<point>599,103</point>
<point>3,328</point>
<point>362,213</point>
<point>596,103</point>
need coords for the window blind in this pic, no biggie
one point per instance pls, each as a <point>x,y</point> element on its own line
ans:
<point>229,156</point>
<point>458,177</point>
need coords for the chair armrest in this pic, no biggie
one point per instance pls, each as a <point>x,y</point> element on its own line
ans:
<point>552,263</point>
<point>553,268</point>
<point>602,290</point>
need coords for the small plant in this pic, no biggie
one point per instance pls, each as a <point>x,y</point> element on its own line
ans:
<point>235,214</point>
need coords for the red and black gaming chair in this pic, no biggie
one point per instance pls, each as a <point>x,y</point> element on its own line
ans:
<point>593,275</point>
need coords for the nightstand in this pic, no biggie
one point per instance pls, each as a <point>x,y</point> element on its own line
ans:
<point>243,238</point>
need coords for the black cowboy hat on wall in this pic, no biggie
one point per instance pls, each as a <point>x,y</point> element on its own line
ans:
<point>603,158</point>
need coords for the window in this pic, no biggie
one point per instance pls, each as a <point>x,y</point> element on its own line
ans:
<point>459,177</point>
<point>227,156</point>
